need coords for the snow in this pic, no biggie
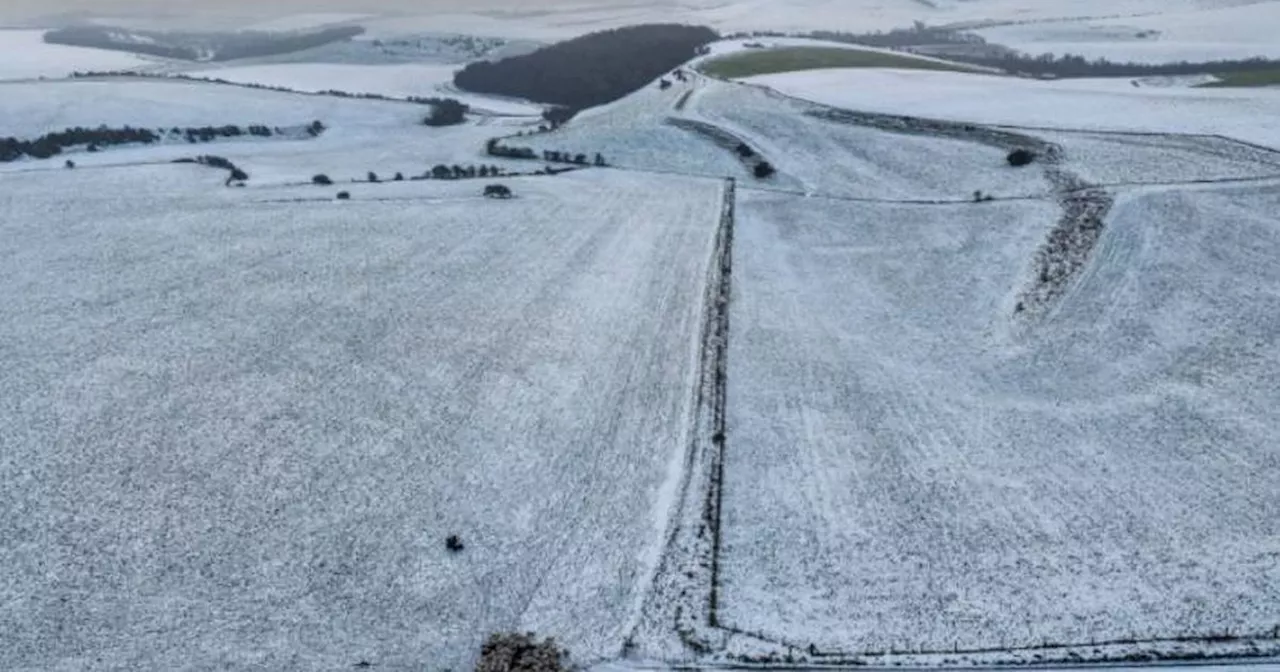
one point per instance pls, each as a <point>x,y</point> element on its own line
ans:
<point>907,471</point>
<point>363,135</point>
<point>1244,114</point>
<point>395,80</point>
<point>25,55</point>
<point>1200,34</point>
<point>237,430</point>
<point>632,133</point>
<point>306,21</point>
<point>832,159</point>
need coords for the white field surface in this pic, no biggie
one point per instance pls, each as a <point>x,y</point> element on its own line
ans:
<point>905,471</point>
<point>1246,114</point>
<point>236,432</point>
<point>631,133</point>
<point>831,159</point>
<point>397,80</point>
<point>25,55</point>
<point>1197,34</point>
<point>363,135</point>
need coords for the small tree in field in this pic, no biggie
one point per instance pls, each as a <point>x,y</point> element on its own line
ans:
<point>1020,157</point>
<point>321,179</point>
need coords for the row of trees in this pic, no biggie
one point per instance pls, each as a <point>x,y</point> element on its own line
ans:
<point>1071,65</point>
<point>236,175</point>
<point>589,70</point>
<point>199,46</point>
<point>94,139</point>
<point>494,147</point>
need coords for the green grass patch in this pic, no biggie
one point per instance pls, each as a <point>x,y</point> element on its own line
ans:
<point>790,59</point>
<point>1254,78</point>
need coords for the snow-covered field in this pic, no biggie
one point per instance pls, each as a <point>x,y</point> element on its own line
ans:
<point>833,159</point>
<point>401,80</point>
<point>363,135</point>
<point>1192,34</point>
<point>632,133</point>
<point>237,431</point>
<point>239,423</point>
<point>25,55</point>
<point>1245,114</point>
<point>905,471</point>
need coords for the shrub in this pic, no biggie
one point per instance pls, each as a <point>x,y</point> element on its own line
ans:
<point>399,177</point>
<point>745,150</point>
<point>321,179</point>
<point>344,195</point>
<point>446,112</point>
<point>1021,157</point>
<point>510,652</point>
<point>239,175</point>
<point>70,164</point>
<point>497,191</point>
<point>373,177</point>
<point>764,169</point>
<point>454,544</point>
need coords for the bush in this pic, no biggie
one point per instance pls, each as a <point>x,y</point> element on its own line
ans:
<point>509,652</point>
<point>373,177</point>
<point>446,112</point>
<point>344,195</point>
<point>321,179</point>
<point>1021,157</point>
<point>497,191</point>
<point>764,169</point>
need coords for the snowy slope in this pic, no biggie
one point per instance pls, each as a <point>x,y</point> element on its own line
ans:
<point>633,133</point>
<point>25,55</point>
<point>833,159</point>
<point>1206,33</point>
<point>242,428</point>
<point>362,135</point>
<point>396,80</point>
<point>907,473</point>
<point>1246,114</point>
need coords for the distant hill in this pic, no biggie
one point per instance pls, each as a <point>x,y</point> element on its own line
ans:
<point>192,46</point>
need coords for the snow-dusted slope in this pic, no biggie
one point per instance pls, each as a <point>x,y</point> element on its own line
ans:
<point>905,473</point>
<point>25,55</point>
<point>361,136</point>
<point>1246,114</point>
<point>1172,34</point>
<point>402,80</point>
<point>238,430</point>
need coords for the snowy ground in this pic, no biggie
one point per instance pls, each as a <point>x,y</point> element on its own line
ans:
<point>832,159</point>
<point>25,55</point>
<point>396,80</point>
<point>363,135</point>
<point>905,472</point>
<point>1193,34</point>
<point>330,388</point>
<point>1244,114</point>
<point>237,431</point>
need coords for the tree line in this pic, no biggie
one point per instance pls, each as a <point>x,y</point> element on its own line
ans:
<point>190,46</point>
<point>589,70</point>
<point>494,147</point>
<point>94,139</point>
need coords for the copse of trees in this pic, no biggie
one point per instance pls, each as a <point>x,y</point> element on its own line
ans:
<point>589,70</point>
<point>445,112</point>
<point>192,46</point>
